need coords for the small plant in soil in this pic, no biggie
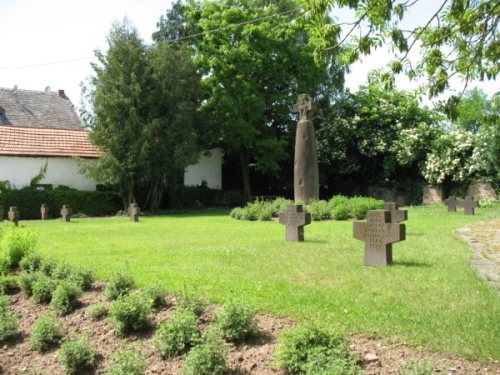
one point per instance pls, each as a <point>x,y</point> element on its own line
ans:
<point>310,350</point>
<point>45,333</point>
<point>127,361</point>
<point>48,266</point>
<point>235,321</point>
<point>207,358</point>
<point>31,262</point>
<point>177,334</point>
<point>186,300</point>
<point>8,320</point>
<point>61,271</point>
<point>65,298</point>
<point>130,314</point>
<point>77,355</point>
<point>26,281</point>
<point>119,284</point>
<point>15,243</point>
<point>420,368</point>
<point>156,294</point>
<point>82,277</point>
<point>8,284</point>
<point>99,311</point>
<point>43,287</point>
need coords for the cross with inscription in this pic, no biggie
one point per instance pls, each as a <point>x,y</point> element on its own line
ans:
<point>305,106</point>
<point>295,219</point>
<point>468,204</point>
<point>44,211</point>
<point>2,213</point>
<point>66,212</point>
<point>379,234</point>
<point>134,211</point>
<point>14,215</point>
<point>397,215</point>
<point>452,203</point>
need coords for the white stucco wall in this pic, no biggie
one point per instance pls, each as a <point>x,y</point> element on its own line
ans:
<point>208,168</point>
<point>60,171</point>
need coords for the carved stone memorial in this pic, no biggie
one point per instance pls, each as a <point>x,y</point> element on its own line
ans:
<point>134,211</point>
<point>468,204</point>
<point>397,215</point>
<point>14,215</point>
<point>295,219</point>
<point>44,211</point>
<point>379,234</point>
<point>66,212</point>
<point>452,204</point>
<point>306,175</point>
<point>2,213</point>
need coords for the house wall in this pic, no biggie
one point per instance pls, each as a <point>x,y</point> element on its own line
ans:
<point>208,168</point>
<point>60,171</point>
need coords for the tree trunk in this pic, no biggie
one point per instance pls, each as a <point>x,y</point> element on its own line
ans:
<point>245,173</point>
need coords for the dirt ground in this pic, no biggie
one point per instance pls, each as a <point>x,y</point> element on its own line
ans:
<point>254,356</point>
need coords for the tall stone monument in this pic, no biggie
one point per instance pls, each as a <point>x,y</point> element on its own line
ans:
<point>44,211</point>
<point>134,211</point>
<point>66,212</point>
<point>14,215</point>
<point>305,173</point>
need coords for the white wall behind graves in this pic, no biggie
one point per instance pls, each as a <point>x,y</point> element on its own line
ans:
<point>60,171</point>
<point>208,168</point>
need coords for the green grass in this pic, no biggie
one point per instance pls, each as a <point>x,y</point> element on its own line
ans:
<point>430,297</point>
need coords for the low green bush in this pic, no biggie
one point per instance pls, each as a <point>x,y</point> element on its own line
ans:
<point>26,281</point>
<point>45,333</point>
<point>235,321</point>
<point>15,243</point>
<point>319,210</point>
<point>341,211</point>
<point>207,358</point>
<point>361,205</point>
<point>338,200</point>
<point>186,300</point>
<point>31,262</point>
<point>65,298</point>
<point>8,284</point>
<point>8,320</point>
<point>42,289</point>
<point>177,334</point>
<point>99,311</point>
<point>61,271</point>
<point>48,266</point>
<point>156,294</point>
<point>128,360</point>
<point>236,213</point>
<point>119,284</point>
<point>82,277</point>
<point>280,205</point>
<point>130,313</point>
<point>311,350</point>
<point>77,355</point>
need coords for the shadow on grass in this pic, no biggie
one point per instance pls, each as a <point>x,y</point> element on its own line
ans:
<point>410,264</point>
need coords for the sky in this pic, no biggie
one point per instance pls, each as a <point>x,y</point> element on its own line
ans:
<point>52,42</point>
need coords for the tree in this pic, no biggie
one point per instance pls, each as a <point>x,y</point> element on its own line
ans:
<point>460,38</point>
<point>142,102</point>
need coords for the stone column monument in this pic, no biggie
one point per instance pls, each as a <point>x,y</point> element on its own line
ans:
<point>306,175</point>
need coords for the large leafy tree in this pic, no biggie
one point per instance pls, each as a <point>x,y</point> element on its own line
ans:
<point>255,60</point>
<point>141,107</point>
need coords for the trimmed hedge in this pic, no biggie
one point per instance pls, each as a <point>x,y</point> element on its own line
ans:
<point>91,203</point>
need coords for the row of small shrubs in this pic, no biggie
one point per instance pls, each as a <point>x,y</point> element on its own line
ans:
<point>338,207</point>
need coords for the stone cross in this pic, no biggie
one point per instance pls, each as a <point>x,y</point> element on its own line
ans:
<point>379,234</point>
<point>66,212</point>
<point>452,204</point>
<point>397,215</point>
<point>14,215</point>
<point>2,213</point>
<point>44,211</point>
<point>305,172</point>
<point>134,211</point>
<point>468,204</point>
<point>295,219</point>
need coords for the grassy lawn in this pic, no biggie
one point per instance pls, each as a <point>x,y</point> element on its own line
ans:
<point>430,297</point>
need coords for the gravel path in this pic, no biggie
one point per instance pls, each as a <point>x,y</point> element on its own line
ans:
<point>484,238</point>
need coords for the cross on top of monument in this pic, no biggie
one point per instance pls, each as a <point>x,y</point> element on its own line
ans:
<point>452,203</point>
<point>305,106</point>
<point>397,215</point>
<point>469,204</point>
<point>295,219</point>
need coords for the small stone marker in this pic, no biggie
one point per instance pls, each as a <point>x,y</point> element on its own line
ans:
<point>468,204</point>
<point>452,204</point>
<point>14,215</point>
<point>66,212</point>
<point>379,234</point>
<point>134,211</point>
<point>2,213</point>
<point>295,219</point>
<point>397,215</point>
<point>44,211</point>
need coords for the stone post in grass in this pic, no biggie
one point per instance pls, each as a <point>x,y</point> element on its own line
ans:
<point>14,215</point>
<point>44,211</point>
<point>66,212</point>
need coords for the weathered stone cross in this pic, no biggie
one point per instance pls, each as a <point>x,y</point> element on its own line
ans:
<point>14,215</point>
<point>295,219</point>
<point>134,211</point>
<point>379,234</point>
<point>468,204</point>
<point>397,215</point>
<point>452,203</point>
<point>44,211</point>
<point>66,212</point>
<point>305,106</point>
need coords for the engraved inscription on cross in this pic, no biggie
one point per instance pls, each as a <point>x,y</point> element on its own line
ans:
<point>44,211</point>
<point>66,212</point>
<point>468,204</point>
<point>13,215</point>
<point>295,219</point>
<point>397,215</point>
<point>452,203</point>
<point>134,211</point>
<point>305,106</point>
<point>379,234</point>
